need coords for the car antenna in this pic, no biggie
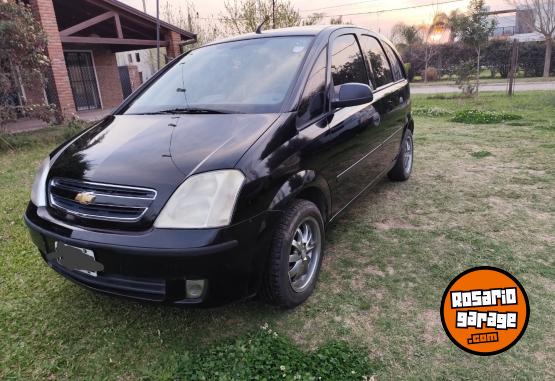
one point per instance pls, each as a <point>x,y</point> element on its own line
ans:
<point>259,28</point>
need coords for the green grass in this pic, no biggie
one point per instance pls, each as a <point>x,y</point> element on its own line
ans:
<point>376,308</point>
<point>481,154</point>
<point>483,117</point>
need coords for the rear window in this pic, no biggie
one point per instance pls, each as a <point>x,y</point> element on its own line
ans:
<point>395,63</point>
<point>381,71</point>
<point>247,76</point>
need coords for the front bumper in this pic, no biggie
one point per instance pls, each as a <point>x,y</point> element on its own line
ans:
<point>154,265</point>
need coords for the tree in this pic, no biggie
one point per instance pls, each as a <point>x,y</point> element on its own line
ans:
<point>313,19</point>
<point>23,61</point>
<point>453,21</point>
<point>244,16</point>
<point>405,36</point>
<point>186,17</point>
<point>339,21</point>
<point>474,29</point>
<point>543,22</point>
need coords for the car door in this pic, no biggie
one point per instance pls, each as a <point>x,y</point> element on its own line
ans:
<point>400,94</point>
<point>390,98</point>
<point>354,132</point>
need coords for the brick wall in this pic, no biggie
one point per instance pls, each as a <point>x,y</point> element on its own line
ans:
<point>173,49</point>
<point>134,77</point>
<point>44,13</point>
<point>108,77</point>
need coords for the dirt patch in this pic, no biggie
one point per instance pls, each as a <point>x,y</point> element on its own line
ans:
<point>371,270</point>
<point>388,224</point>
<point>433,331</point>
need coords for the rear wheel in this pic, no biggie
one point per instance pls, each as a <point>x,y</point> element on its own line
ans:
<point>403,166</point>
<point>295,256</point>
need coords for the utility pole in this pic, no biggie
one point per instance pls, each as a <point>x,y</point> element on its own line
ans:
<point>513,67</point>
<point>144,6</point>
<point>273,14</point>
<point>158,34</point>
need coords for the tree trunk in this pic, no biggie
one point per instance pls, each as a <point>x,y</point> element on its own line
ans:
<point>478,72</point>
<point>426,59</point>
<point>547,62</point>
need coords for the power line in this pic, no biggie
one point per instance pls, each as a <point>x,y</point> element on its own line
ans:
<point>394,9</point>
<point>339,5</point>
<point>357,13</point>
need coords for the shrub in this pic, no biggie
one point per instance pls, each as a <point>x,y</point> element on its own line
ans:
<point>465,78</point>
<point>431,73</point>
<point>431,112</point>
<point>483,117</point>
<point>410,71</point>
<point>481,154</point>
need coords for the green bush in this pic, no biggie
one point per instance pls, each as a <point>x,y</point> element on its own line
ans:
<point>483,117</point>
<point>265,355</point>
<point>481,154</point>
<point>431,112</point>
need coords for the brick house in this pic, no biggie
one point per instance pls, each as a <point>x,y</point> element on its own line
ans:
<point>83,37</point>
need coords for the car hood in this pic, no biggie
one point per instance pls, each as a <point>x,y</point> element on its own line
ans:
<point>158,151</point>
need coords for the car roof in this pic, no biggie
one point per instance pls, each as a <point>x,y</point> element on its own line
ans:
<point>311,30</point>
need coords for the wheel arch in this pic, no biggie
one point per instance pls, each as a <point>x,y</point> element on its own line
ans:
<point>306,185</point>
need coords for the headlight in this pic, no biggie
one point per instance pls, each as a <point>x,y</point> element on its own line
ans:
<point>38,192</point>
<point>205,200</point>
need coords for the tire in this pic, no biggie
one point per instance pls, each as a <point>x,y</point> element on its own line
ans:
<point>291,274</point>
<point>403,166</point>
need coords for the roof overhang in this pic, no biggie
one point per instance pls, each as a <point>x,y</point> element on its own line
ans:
<point>113,24</point>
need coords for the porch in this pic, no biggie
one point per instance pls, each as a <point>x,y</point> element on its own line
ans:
<point>83,39</point>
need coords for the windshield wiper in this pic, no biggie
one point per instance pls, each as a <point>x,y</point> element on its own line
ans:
<point>191,110</point>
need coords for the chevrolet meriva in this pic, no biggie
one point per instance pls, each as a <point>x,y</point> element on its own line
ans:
<point>216,179</point>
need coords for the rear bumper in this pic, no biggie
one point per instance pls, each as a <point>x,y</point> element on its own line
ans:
<point>154,265</point>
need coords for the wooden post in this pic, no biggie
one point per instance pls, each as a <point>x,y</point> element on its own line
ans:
<point>513,67</point>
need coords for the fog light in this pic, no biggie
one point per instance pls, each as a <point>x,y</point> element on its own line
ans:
<point>194,288</point>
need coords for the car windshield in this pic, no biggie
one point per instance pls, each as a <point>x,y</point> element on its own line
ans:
<point>247,76</point>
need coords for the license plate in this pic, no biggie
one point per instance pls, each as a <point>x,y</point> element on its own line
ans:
<point>76,258</point>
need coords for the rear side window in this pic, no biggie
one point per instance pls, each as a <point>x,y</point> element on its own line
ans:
<point>313,101</point>
<point>381,72</point>
<point>347,64</point>
<point>395,64</point>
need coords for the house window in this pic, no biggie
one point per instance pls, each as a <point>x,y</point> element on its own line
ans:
<point>137,57</point>
<point>130,58</point>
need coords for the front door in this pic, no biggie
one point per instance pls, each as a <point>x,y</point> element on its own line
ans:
<point>82,79</point>
<point>355,132</point>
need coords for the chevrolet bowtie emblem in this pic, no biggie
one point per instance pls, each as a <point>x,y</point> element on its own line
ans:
<point>85,198</point>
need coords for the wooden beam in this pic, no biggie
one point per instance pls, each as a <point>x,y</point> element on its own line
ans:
<point>109,41</point>
<point>87,23</point>
<point>118,26</point>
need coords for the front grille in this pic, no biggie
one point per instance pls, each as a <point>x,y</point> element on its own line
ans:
<point>105,202</point>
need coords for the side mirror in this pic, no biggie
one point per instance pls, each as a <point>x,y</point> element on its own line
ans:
<point>352,94</point>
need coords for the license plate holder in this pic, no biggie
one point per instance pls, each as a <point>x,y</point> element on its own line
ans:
<point>76,258</point>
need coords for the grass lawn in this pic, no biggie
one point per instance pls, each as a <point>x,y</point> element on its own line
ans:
<point>484,80</point>
<point>479,195</point>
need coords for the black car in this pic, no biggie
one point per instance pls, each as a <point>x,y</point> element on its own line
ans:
<point>217,178</point>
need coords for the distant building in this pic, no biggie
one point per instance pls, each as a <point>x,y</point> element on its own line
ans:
<point>144,60</point>
<point>515,24</point>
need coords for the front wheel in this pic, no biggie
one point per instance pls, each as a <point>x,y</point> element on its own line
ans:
<point>295,256</point>
<point>403,166</point>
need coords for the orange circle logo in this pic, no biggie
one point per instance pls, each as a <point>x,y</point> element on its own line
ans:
<point>485,311</point>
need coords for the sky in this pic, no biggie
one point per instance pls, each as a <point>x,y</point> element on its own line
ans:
<point>382,20</point>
